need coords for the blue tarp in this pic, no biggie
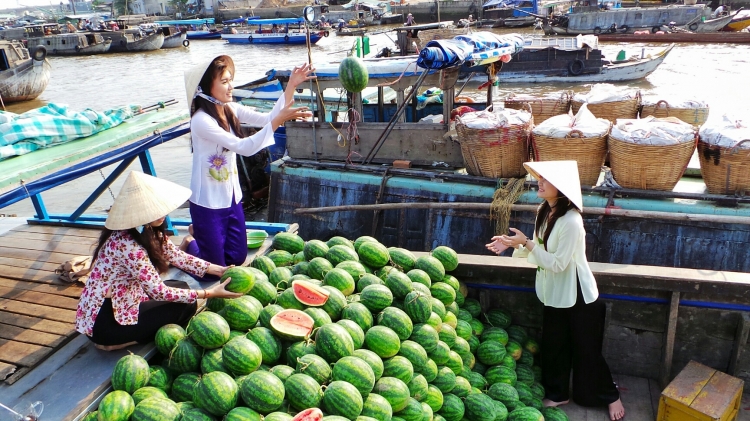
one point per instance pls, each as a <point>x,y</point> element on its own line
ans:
<point>443,53</point>
<point>240,20</point>
<point>439,54</point>
<point>207,21</point>
<point>281,21</point>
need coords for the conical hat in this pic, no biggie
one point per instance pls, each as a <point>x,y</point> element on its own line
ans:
<point>193,79</point>
<point>561,174</point>
<point>143,199</point>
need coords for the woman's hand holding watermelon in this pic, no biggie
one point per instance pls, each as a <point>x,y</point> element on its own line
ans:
<point>219,291</point>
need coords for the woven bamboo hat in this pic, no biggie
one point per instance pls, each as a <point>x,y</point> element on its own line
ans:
<point>143,199</point>
<point>193,79</point>
<point>561,174</point>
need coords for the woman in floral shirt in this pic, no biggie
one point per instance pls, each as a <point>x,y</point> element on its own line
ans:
<point>125,301</point>
<point>216,139</point>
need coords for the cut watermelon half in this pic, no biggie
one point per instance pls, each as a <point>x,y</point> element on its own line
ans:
<point>310,294</point>
<point>311,414</point>
<point>292,324</point>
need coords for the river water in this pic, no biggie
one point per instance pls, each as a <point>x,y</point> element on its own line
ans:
<point>715,73</point>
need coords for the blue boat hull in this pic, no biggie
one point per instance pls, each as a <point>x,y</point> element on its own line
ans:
<point>697,245</point>
<point>203,35</point>
<point>292,39</point>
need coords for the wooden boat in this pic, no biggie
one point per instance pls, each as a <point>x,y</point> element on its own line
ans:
<point>350,32</point>
<point>709,25</point>
<point>708,38</point>
<point>25,74</point>
<point>79,43</point>
<point>265,33</point>
<point>740,21</point>
<point>390,18</point>
<point>212,34</point>
<point>522,13</point>
<point>592,20</point>
<point>173,37</point>
<point>573,60</point>
<point>129,40</point>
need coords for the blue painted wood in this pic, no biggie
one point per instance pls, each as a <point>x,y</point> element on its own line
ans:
<point>38,202</point>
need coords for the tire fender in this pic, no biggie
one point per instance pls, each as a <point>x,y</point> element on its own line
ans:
<point>325,33</point>
<point>433,17</point>
<point>598,30</point>
<point>250,39</point>
<point>286,38</point>
<point>624,28</point>
<point>78,48</point>
<point>39,53</point>
<point>576,67</point>
<point>185,43</point>
<point>655,29</point>
<point>123,43</point>
<point>693,26</point>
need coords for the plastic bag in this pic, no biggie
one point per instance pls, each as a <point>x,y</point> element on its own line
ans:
<point>726,132</point>
<point>604,92</point>
<point>653,131</point>
<point>584,121</point>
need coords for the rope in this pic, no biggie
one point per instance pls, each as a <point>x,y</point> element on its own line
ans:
<point>502,201</point>
<point>351,127</point>
<point>402,75</point>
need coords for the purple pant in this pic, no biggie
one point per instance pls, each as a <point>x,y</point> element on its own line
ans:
<point>220,235</point>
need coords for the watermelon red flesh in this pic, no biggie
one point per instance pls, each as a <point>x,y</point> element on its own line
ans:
<point>292,323</point>
<point>311,414</point>
<point>310,294</point>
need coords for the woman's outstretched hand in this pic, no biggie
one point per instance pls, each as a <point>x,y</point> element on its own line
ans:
<point>219,291</point>
<point>517,239</point>
<point>497,246</point>
<point>300,74</point>
<point>289,113</point>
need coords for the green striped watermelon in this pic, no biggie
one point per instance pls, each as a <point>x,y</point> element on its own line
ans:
<point>264,318</point>
<point>434,398</point>
<point>341,280</point>
<point>552,413</point>
<point>269,344</point>
<point>509,362</point>
<point>280,258</point>
<point>318,267</point>
<point>477,327</point>
<point>264,264</point>
<point>319,316</point>
<point>240,314</point>
<point>399,284</point>
<point>377,407</point>
<point>495,334</point>
<point>443,292</point>
<point>398,367</point>
<point>368,279</point>
<point>242,279</point>
<point>395,391</point>
<point>278,416</point>
<point>340,253</point>
<point>373,254</point>
<point>335,303</point>
<point>196,414</point>
<point>300,271</point>
<point>358,313</point>
<point>500,374</point>
<point>413,352</point>
<point>333,342</point>
<point>361,240</point>
<point>419,276</point>
<point>447,256</point>
<point>418,387</point>
<point>357,372</point>
<point>480,407</point>
<point>502,411</point>
<point>537,390</point>
<point>340,241</point>
<point>356,269</point>
<point>167,336</point>
<point>283,372</point>
<point>383,341</point>
<point>264,291</point>
<point>91,416</point>
<point>154,409</point>
<point>425,335</point>
<point>524,374</point>
<point>213,361</point>
<point>298,349</point>
<point>356,332</point>
<point>461,346</point>
<point>353,74</point>
<point>445,380</point>
<point>429,371</point>
<point>412,411</point>
<point>453,408</point>
<point>463,329</point>
<point>476,380</point>
<point>432,266</point>
<point>241,355</point>
<point>397,320</point>
<point>262,392</point>
<point>525,414</point>
<point>402,258</point>
<point>372,359</point>
<point>315,248</point>
<point>216,393</point>
<point>117,405</point>
<point>462,387</point>
<point>314,366</point>
<point>376,297</point>
<point>514,349</point>
<point>302,391</point>
<point>342,398</point>
<point>160,378</point>
<point>526,359</point>
<point>130,373</point>
<point>242,413</point>
<point>208,329</point>
<point>491,352</point>
<point>455,362</point>
<point>184,386</point>
<point>498,318</point>
<point>451,320</point>
<point>281,277</point>
<point>288,241</point>
<point>289,301</point>
<point>447,334</point>
<point>418,306</point>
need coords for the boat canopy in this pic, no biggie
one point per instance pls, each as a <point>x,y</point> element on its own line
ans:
<point>366,3</point>
<point>281,21</point>
<point>240,20</point>
<point>208,21</point>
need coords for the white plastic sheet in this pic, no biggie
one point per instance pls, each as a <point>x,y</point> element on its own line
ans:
<point>675,102</point>
<point>584,121</point>
<point>726,132</point>
<point>653,131</point>
<point>604,92</point>
<point>495,120</point>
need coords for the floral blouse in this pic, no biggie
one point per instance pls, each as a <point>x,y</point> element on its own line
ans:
<point>124,271</point>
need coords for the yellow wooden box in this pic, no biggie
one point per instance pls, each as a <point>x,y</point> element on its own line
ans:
<point>701,393</point>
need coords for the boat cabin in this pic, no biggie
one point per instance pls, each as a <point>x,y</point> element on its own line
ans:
<point>71,44</point>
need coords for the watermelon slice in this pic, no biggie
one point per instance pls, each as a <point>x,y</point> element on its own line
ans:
<point>310,294</point>
<point>311,414</point>
<point>292,324</point>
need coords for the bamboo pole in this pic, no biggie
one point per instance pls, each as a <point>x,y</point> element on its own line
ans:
<point>684,217</point>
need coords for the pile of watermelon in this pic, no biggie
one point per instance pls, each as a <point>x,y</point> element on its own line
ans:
<point>359,330</point>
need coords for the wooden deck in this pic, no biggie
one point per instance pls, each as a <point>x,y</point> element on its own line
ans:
<point>37,311</point>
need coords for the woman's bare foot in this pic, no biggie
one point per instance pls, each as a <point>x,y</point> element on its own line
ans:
<point>186,242</point>
<point>114,347</point>
<point>616,410</point>
<point>548,402</point>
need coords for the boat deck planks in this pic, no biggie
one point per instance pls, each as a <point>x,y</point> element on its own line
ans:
<point>37,311</point>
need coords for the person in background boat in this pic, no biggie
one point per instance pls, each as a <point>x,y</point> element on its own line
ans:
<point>218,230</point>
<point>342,25</point>
<point>69,26</point>
<point>573,318</point>
<point>410,20</point>
<point>233,30</point>
<point>47,31</point>
<point>204,27</point>
<point>125,300</point>
<point>79,25</point>
<point>716,13</point>
<point>275,29</point>
<point>88,26</point>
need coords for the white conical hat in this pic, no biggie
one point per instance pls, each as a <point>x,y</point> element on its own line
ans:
<point>561,174</point>
<point>143,199</point>
<point>193,79</point>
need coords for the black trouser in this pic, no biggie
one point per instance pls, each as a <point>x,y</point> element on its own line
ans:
<point>152,315</point>
<point>572,338</point>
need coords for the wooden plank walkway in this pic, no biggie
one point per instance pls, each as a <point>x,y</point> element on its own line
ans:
<point>37,311</point>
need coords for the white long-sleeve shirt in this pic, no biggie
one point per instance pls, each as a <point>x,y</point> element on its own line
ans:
<point>559,261</point>
<point>215,178</point>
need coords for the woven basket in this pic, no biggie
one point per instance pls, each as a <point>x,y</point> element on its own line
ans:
<point>589,152</point>
<point>613,110</point>
<point>694,116</point>
<point>648,167</point>
<point>495,153</point>
<point>725,170</point>
<point>541,108</point>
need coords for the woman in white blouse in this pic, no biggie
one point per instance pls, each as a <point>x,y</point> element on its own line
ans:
<point>573,325</point>
<point>216,137</point>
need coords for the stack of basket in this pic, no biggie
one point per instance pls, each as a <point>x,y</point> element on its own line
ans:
<point>495,144</point>
<point>724,152</point>
<point>581,138</point>
<point>542,108</point>
<point>691,112</point>
<point>650,153</point>
<point>625,107</point>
